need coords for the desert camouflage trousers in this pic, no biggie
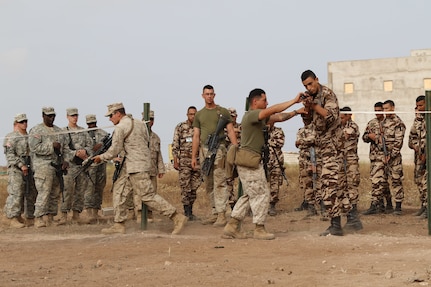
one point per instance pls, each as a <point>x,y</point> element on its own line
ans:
<point>353,178</point>
<point>382,174</point>
<point>17,201</point>
<point>74,189</point>
<point>93,196</point>
<point>306,180</point>
<point>48,191</point>
<point>256,195</point>
<point>379,181</point>
<point>189,180</point>
<point>275,181</point>
<point>216,181</point>
<point>421,175</point>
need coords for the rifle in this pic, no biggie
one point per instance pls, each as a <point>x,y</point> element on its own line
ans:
<point>213,143</point>
<point>106,143</point>
<point>281,165</point>
<point>59,171</point>
<point>385,151</point>
<point>29,175</point>
<point>265,150</point>
<point>313,165</point>
<point>118,168</point>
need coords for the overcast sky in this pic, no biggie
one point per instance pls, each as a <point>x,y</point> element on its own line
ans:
<point>88,54</point>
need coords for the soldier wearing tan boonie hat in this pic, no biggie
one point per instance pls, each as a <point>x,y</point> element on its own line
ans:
<point>113,108</point>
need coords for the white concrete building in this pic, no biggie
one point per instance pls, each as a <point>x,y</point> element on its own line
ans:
<point>361,83</point>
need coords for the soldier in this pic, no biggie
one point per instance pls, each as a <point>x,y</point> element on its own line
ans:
<point>352,176</point>
<point>75,184</point>
<point>21,189</point>
<point>131,137</point>
<point>417,142</point>
<point>93,196</point>
<point>189,179</point>
<point>250,168</point>
<point>230,181</point>
<point>275,165</point>
<point>321,105</point>
<point>204,125</point>
<point>49,149</point>
<point>378,171</point>
<point>305,141</point>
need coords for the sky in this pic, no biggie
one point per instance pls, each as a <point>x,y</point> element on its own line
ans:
<point>88,54</point>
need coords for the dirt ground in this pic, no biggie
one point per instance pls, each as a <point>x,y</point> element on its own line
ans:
<point>390,251</point>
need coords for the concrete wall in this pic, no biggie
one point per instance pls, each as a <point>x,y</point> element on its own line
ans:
<point>407,75</point>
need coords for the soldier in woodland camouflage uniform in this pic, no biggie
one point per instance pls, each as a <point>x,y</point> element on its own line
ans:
<point>256,190</point>
<point>322,110</point>
<point>19,171</point>
<point>231,180</point>
<point>190,179</point>
<point>75,186</point>
<point>305,141</point>
<point>351,176</point>
<point>275,165</point>
<point>131,138</point>
<point>93,196</point>
<point>378,171</point>
<point>417,142</point>
<point>48,145</point>
<point>393,132</point>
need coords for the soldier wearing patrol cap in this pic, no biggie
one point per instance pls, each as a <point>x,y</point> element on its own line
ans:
<point>21,182</point>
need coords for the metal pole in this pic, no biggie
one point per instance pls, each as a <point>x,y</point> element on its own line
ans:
<point>144,212</point>
<point>428,153</point>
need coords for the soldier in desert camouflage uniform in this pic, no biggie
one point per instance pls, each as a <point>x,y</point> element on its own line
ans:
<point>189,179</point>
<point>305,141</point>
<point>75,186</point>
<point>378,171</point>
<point>351,176</point>
<point>230,181</point>
<point>322,110</point>
<point>93,196</point>
<point>393,132</point>
<point>256,190</point>
<point>48,145</point>
<point>131,138</point>
<point>417,142</point>
<point>275,165</point>
<point>19,171</point>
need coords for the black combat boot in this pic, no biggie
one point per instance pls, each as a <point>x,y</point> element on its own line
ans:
<point>353,221</point>
<point>389,207</point>
<point>187,210</point>
<point>334,228</point>
<point>311,210</point>
<point>191,216</point>
<point>397,210</point>
<point>381,205</point>
<point>374,209</point>
<point>421,211</point>
<point>272,211</point>
<point>303,206</point>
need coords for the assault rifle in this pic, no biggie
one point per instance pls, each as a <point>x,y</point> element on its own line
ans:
<point>281,165</point>
<point>118,168</point>
<point>265,150</point>
<point>59,171</point>
<point>213,143</point>
<point>29,176</point>
<point>313,165</point>
<point>106,143</point>
<point>385,151</point>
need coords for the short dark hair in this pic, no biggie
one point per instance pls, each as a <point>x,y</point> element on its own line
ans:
<point>256,93</point>
<point>121,111</point>
<point>208,87</point>
<point>420,98</point>
<point>389,102</point>
<point>346,109</point>
<point>307,74</point>
<point>191,108</point>
<point>378,105</point>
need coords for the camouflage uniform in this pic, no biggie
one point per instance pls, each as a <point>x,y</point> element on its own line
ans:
<point>230,182</point>
<point>351,160</point>
<point>75,186</point>
<point>417,141</point>
<point>93,196</point>
<point>17,153</point>
<point>305,139</point>
<point>276,162</point>
<point>189,179</point>
<point>41,139</point>
<point>328,149</point>
<point>135,169</point>
<point>393,131</point>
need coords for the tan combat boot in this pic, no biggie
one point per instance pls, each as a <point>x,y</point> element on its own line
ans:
<point>90,216</point>
<point>118,227</point>
<point>63,219</point>
<point>260,233</point>
<point>138,216</point>
<point>233,229</point>
<point>14,223</point>
<point>29,222</point>
<point>221,219</point>
<point>20,219</point>
<point>210,220</point>
<point>179,222</point>
<point>39,222</point>
<point>50,219</point>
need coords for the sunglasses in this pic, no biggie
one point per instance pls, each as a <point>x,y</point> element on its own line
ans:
<point>23,122</point>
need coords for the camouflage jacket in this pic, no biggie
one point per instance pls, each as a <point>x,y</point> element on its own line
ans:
<point>417,136</point>
<point>350,137</point>
<point>305,138</point>
<point>237,129</point>
<point>157,164</point>
<point>393,131</point>
<point>374,126</point>
<point>182,142</point>
<point>16,149</point>
<point>79,139</point>
<point>275,143</point>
